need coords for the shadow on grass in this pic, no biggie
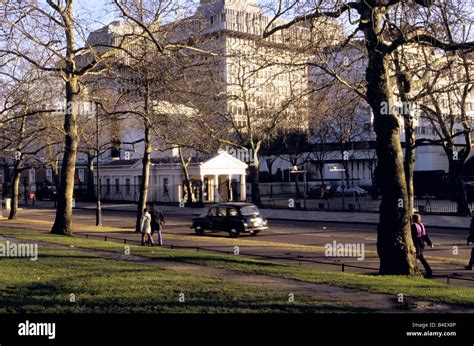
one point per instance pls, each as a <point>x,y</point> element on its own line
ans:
<point>54,298</point>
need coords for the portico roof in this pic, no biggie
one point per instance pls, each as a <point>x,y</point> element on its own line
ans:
<point>222,164</point>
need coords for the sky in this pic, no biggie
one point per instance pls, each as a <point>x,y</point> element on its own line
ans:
<point>98,11</point>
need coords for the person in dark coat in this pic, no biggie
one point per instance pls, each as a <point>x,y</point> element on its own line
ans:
<point>420,237</point>
<point>470,239</point>
<point>157,222</point>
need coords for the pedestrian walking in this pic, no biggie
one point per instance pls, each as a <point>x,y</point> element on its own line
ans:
<point>470,239</point>
<point>146,228</point>
<point>157,222</point>
<point>420,237</point>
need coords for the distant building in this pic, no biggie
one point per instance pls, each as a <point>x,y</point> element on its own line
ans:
<point>217,179</point>
<point>249,74</point>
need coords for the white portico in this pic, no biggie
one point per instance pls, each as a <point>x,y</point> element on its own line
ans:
<point>219,179</point>
<point>220,173</point>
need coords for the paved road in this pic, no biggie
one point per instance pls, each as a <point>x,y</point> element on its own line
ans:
<point>285,241</point>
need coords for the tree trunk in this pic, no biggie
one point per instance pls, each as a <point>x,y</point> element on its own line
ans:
<point>63,221</point>
<point>144,184</point>
<point>394,244</point>
<point>409,165</point>
<point>255,179</point>
<point>55,169</point>
<point>270,175</point>
<point>297,176</point>
<point>90,179</point>
<point>321,173</point>
<point>17,168</point>
<point>345,165</point>
<point>15,193</point>
<point>403,86</point>
<point>187,182</point>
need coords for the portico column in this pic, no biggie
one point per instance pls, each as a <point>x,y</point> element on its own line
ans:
<point>216,188</point>
<point>202,199</point>
<point>243,188</point>
<point>231,194</point>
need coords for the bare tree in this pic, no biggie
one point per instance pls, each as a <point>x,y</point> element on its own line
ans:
<point>382,38</point>
<point>45,36</point>
<point>27,117</point>
<point>443,100</point>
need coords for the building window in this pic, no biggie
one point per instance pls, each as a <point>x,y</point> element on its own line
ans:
<point>80,174</point>
<point>32,176</point>
<point>127,186</point>
<point>49,176</point>
<point>117,185</point>
<point>165,187</point>
<point>107,186</point>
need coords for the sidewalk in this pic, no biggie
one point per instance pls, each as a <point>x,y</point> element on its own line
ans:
<point>433,221</point>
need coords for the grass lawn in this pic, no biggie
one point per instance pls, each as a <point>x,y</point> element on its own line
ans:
<point>408,286</point>
<point>109,286</point>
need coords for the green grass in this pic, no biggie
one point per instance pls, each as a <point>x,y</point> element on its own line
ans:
<point>114,286</point>
<point>409,286</point>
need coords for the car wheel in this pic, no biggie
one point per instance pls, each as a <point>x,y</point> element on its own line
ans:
<point>234,233</point>
<point>254,233</point>
<point>199,230</point>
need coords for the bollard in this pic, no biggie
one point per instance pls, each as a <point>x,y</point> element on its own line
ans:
<point>343,267</point>
<point>448,280</point>
<point>105,238</point>
<point>125,241</point>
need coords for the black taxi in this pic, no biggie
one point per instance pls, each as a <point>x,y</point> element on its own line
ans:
<point>234,218</point>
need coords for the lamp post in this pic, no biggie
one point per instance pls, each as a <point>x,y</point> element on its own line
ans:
<point>342,170</point>
<point>98,211</point>
<point>295,170</point>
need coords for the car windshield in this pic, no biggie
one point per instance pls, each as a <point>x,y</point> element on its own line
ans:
<point>251,210</point>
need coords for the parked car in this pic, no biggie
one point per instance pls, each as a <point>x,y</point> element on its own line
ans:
<point>314,192</point>
<point>234,218</point>
<point>350,191</point>
<point>469,187</point>
<point>374,192</point>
